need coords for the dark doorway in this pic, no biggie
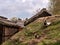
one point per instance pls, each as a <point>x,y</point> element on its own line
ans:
<point>1,32</point>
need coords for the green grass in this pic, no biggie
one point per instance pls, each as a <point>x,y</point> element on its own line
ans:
<point>52,33</point>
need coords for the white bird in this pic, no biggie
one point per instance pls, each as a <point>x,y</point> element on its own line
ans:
<point>48,23</point>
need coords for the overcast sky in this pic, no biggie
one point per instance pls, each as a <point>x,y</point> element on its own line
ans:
<point>21,8</point>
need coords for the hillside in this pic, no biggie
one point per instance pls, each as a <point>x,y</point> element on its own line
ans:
<point>49,35</point>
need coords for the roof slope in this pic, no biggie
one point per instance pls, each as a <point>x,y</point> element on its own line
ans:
<point>7,22</point>
<point>42,13</point>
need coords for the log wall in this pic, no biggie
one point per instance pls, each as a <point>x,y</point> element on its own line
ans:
<point>8,32</point>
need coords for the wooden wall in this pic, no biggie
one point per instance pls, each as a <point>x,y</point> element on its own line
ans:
<point>8,32</point>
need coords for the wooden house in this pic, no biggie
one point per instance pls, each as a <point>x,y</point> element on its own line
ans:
<point>8,28</point>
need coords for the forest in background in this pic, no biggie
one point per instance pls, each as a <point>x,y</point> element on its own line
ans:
<point>54,7</point>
